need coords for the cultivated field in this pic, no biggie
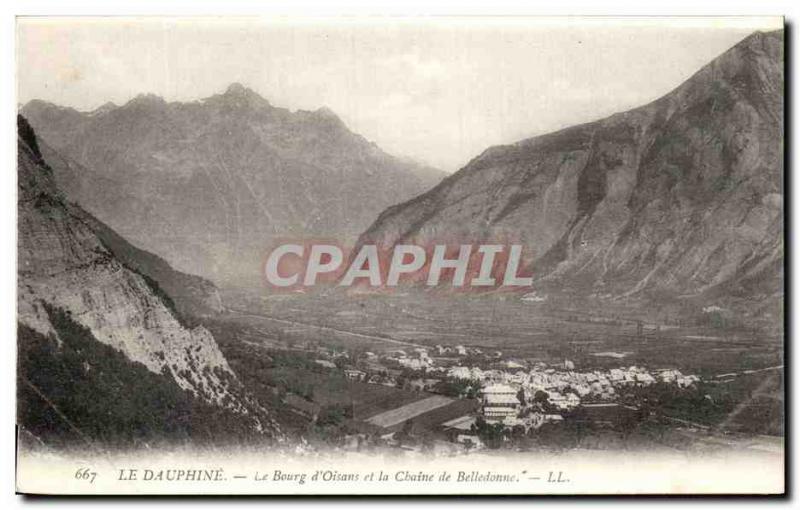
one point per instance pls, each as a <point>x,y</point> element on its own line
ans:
<point>551,331</point>
<point>331,388</point>
<point>409,411</point>
<point>592,333</point>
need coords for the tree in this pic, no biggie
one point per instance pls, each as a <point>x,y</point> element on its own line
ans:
<point>331,416</point>
<point>468,444</point>
<point>406,432</point>
<point>472,391</point>
<point>541,397</point>
<point>493,434</point>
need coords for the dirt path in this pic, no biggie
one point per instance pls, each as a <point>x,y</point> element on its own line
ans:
<point>242,313</point>
<point>748,372</point>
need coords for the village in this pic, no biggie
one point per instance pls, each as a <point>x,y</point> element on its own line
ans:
<point>506,394</point>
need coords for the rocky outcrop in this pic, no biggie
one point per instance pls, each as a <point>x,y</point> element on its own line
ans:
<point>683,195</point>
<point>191,295</point>
<point>210,184</point>
<point>63,264</point>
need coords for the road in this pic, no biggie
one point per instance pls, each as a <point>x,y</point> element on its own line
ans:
<point>243,313</point>
<point>748,372</point>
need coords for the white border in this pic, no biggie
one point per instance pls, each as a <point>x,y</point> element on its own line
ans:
<point>9,9</point>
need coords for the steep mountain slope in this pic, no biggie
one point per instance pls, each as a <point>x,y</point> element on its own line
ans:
<point>683,195</point>
<point>209,184</point>
<point>72,291</point>
<point>191,295</point>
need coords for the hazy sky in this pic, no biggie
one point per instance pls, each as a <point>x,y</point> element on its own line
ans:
<point>437,90</point>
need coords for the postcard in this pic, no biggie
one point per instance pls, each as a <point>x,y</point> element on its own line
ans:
<point>400,256</point>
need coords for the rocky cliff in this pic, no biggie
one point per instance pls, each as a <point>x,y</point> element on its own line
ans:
<point>191,295</point>
<point>67,268</point>
<point>210,184</point>
<point>683,195</point>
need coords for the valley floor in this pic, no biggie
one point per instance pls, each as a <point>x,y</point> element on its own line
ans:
<point>344,359</point>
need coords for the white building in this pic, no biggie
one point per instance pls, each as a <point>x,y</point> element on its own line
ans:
<point>459,372</point>
<point>355,375</point>
<point>500,403</point>
<point>644,379</point>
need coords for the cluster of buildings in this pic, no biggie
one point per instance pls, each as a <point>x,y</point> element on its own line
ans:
<point>513,392</point>
<point>507,395</point>
<point>419,358</point>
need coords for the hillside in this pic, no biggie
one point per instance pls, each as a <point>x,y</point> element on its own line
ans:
<point>96,318</point>
<point>682,196</point>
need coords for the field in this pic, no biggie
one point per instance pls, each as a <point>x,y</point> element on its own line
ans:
<point>433,420</point>
<point>409,411</point>
<point>548,332</point>
<point>380,408</point>
<point>743,364</point>
<point>331,388</point>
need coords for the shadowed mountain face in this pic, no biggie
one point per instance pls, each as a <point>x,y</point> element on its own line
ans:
<point>683,195</point>
<point>210,184</point>
<point>82,289</point>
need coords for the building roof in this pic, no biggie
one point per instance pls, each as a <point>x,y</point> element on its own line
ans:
<point>493,410</point>
<point>501,399</point>
<point>498,388</point>
<point>461,423</point>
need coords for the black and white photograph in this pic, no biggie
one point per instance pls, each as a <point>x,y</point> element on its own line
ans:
<point>447,255</point>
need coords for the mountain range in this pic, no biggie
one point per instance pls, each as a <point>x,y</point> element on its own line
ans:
<point>682,197</point>
<point>210,184</point>
<point>679,197</point>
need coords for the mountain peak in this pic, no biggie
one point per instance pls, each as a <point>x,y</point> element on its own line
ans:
<point>146,100</point>
<point>41,105</point>
<point>761,36</point>
<point>104,108</point>
<point>623,206</point>
<point>324,111</point>
<point>326,114</point>
<point>322,117</point>
<point>238,89</point>
<point>239,95</point>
